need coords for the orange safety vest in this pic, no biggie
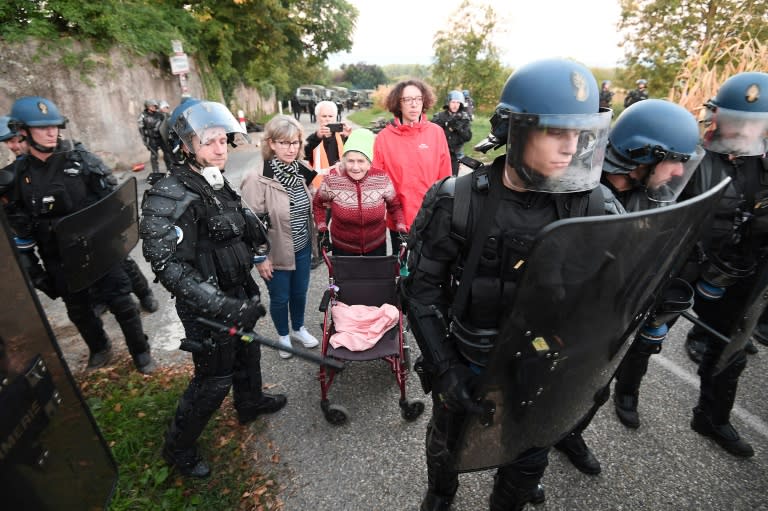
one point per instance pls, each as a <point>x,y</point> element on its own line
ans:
<point>320,160</point>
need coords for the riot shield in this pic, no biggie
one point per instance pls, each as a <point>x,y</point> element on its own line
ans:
<point>588,286</point>
<point>52,455</point>
<point>747,321</point>
<point>93,240</point>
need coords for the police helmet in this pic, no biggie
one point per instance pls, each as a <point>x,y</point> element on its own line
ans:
<point>6,132</point>
<point>151,102</point>
<point>173,139</point>
<point>163,104</point>
<point>199,119</point>
<point>36,112</point>
<point>736,120</point>
<point>641,81</point>
<point>553,97</point>
<point>650,133</point>
<point>606,83</point>
<point>455,95</point>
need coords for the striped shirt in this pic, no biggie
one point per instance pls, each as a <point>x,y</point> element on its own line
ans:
<point>299,202</point>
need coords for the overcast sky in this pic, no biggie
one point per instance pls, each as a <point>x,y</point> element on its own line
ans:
<point>401,31</point>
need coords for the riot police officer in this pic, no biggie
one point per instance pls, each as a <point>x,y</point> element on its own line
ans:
<point>456,123</point>
<point>470,240</point>
<point>606,94</point>
<point>150,122</point>
<point>653,150</point>
<point>736,142</point>
<point>639,93</point>
<point>200,241</point>
<point>57,178</point>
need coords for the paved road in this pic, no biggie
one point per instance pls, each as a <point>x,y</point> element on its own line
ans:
<point>376,461</point>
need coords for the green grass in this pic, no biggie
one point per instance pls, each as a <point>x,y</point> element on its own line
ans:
<point>133,412</point>
<point>481,126</point>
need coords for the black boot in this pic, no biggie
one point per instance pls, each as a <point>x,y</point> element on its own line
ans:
<point>434,502</point>
<point>724,434</point>
<point>268,404</point>
<point>626,409</point>
<point>515,499</point>
<point>188,463</point>
<point>100,358</point>
<point>144,363</point>
<point>750,348</point>
<point>577,451</point>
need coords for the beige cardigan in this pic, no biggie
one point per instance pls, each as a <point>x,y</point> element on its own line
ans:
<point>264,194</point>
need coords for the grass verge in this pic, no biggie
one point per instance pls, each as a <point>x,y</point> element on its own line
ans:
<point>133,412</point>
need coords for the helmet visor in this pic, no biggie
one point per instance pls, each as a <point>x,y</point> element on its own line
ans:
<point>669,176</point>
<point>735,132</point>
<point>200,120</point>
<point>558,153</point>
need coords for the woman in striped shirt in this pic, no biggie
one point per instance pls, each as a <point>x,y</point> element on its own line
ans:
<point>281,190</point>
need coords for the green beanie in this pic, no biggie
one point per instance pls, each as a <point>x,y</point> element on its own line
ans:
<point>360,140</point>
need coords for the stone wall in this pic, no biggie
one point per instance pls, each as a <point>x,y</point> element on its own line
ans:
<point>104,103</point>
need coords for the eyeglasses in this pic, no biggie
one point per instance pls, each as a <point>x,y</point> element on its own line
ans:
<point>410,101</point>
<point>286,144</point>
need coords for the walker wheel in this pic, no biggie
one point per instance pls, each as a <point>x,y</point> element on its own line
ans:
<point>411,410</point>
<point>336,415</point>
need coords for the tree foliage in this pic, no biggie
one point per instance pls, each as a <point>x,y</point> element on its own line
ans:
<point>363,76</point>
<point>466,57</point>
<point>258,42</point>
<point>661,35</point>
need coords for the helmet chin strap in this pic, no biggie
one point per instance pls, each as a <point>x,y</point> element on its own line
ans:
<point>38,147</point>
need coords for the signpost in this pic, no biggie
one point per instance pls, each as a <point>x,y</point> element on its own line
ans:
<point>180,65</point>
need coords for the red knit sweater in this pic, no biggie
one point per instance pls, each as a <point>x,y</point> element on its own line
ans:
<point>358,210</point>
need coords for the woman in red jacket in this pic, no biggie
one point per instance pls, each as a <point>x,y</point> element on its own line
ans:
<point>359,197</point>
<point>412,150</point>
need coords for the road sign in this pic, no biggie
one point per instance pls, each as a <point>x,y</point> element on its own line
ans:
<point>179,64</point>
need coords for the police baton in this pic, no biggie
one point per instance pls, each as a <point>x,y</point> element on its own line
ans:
<point>711,331</point>
<point>248,337</point>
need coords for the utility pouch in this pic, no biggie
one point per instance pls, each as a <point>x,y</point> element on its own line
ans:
<point>425,375</point>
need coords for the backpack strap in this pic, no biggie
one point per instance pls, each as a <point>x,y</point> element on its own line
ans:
<point>483,226</point>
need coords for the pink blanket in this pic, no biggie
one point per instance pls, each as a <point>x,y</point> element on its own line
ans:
<point>359,327</point>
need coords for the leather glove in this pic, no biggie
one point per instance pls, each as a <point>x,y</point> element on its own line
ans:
<point>325,241</point>
<point>244,313</point>
<point>454,388</point>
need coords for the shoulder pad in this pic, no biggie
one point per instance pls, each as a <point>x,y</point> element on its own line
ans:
<point>169,198</point>
<point>170,187</point>
<point>446,188</point>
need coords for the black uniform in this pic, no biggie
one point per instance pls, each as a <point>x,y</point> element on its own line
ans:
<point>438,255</point>
<point>606,98</point>
<point>458,131</point>
<point>200,242</point>
<point>634,96</point>
<point>68,181</point>
<point>742,210</point>
<point>149,128</point>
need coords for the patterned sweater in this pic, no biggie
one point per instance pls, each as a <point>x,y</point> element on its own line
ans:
<point>358,210</point>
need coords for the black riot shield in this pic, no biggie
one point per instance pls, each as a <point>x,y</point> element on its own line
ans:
<point>588,286</point>
<point>52,455</point>
<point>93,240</point>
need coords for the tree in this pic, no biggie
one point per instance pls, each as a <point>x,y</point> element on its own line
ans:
<point>271,40</point>
<point>465,56</point>
<point>364,76</point>
<point>661,35</point>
